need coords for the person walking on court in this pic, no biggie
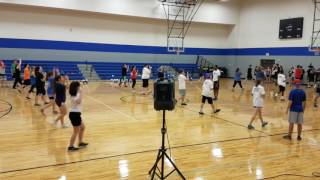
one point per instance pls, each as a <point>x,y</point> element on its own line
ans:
<point>182,87</point>
<point>75,116</point>
<point>282,84</point>
<point>123,79</point>
<point>146,72</point>
<point>249,72</point>
<point>26,76</point>
<point>32,82</point>
<point>134,75</point>
<point>60,91</point>
<point>296,108</point>
<point>216,73</point>
<point>51,95</point>
<point>40,86</point>
<point>17,76</point>
<point>237,79</point>
<point>258,93</point>
<point>207,91</point>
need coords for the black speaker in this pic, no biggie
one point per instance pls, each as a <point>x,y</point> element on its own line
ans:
<point>164,95</point>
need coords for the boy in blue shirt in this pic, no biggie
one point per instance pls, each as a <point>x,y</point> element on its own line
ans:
<point>296,105</point>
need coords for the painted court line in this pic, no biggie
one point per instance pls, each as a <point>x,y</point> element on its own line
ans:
<point>112,109</point>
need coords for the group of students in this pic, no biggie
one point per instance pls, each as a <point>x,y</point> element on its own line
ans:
<point>146,75</point>
<point>57,85</point>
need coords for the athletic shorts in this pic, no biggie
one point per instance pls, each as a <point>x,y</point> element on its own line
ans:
<point>27,82</point>
<point>209,99</point>
<point>2,75</point>
<point>216,85</point>
<point>59,103</point>
<point>145,83</point>
<point>40,91</point>
<point>75,118</point>
<point>282,88</point>
<point>296,117</point>
<point>311,78</point>
<point>182,92</point>
<point>51,97</point>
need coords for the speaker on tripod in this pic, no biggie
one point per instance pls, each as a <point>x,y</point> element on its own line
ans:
<point>164,99</point>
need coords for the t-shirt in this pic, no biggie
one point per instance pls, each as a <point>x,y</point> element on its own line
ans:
<point>216,74</point>
<point>39,80</point>
<point>145,73</point>
<point>297,96</point>
<point>75,106</point>
<point>237,76</point>
<point>13,68</point>
<point>298,73</point>
<point>182,81</point>
<point>26,74</point>
<point>160,75</point>
<point>207,88</point>
<point>2,68</point>
<point>124,71</point>
<point>282,80</point>
<point>134,74</point>
<point>260,75</point>
<point>60,91</point>
<point>257,93</point>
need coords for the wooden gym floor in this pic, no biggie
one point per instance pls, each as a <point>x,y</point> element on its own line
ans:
<point>124,134</point>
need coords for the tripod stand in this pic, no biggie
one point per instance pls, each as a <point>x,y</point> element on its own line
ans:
<point>162,154</point>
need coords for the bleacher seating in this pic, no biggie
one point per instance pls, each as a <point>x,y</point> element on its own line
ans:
<point>105,70</point>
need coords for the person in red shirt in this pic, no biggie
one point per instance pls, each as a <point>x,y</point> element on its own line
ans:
<point>134,74</point>
<point>298,73</point>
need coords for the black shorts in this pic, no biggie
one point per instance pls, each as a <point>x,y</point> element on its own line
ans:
<point>209,99</point>
<point>58,103</point>
<point>216,85</point>
<point>282,88</point>
<point>40,91</point>
<point>311,78</point>
<point>27,82</point>
<point>2,75</point>
<point>51,97</point>
<point>75,118</point>
<point>145,83</point>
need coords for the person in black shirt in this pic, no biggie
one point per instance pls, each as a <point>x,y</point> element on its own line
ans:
<point>40,86</point>
<point>124,71</point>
<point>60,91</point>
<point>249,73</point>
<point>17,76</point>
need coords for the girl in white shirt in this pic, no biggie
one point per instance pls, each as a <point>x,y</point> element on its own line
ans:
<point>146,73</point>
<point>258,94</point>
<point>282,84</point>
<point>207,90</point>
<point>75,116</point>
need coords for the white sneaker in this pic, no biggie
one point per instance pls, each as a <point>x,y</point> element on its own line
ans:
<point>64,126</point>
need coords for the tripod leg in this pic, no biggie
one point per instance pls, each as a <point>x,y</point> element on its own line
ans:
<point>174,166</point>
<point>154,168</point>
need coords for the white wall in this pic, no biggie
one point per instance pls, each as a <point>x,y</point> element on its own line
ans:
<point>210,12</point>
<point>46,24</point>
<point>259,22</point>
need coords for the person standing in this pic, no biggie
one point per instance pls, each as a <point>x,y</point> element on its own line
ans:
<point>75,116</point>
<point>32,81</point>
<point>249,72</point>
<point>17,76</point>
<point>310,73</point>
<point>207,89</point>
<point>134,75</point>
<point>2,73</point>
<point>60,91</point>
<point>282,84</point>
<point>146,72</point>
<point>123,79</point>
<point>51,95</point>
<point>216,73</point>
<point>40,86</point>
<point>296,108</point>
<point>13,68</point>
<point>237,79</point>
<point>258,93</point>
<point>182,87</point>
<point>26,76</point>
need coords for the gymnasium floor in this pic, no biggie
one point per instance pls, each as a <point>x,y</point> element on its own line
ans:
<point>124,134</point>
